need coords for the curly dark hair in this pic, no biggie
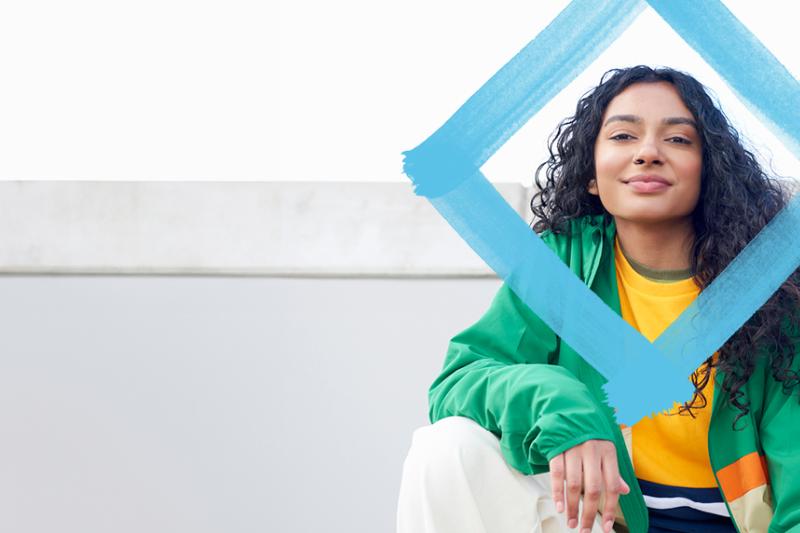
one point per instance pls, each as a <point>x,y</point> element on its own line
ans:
<point>737,199</point>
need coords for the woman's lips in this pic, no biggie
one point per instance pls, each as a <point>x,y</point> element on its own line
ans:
<point>647,186</point>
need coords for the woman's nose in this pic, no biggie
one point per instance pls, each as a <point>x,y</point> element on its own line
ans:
<point>647,153</point>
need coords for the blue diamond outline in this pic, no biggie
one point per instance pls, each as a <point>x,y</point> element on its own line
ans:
<point>446,169</point>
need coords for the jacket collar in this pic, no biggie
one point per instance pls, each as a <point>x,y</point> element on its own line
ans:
<point>597,240</point>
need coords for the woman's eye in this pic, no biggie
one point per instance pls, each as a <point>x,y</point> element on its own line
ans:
<point>679,140</point>
<point>627,136</point>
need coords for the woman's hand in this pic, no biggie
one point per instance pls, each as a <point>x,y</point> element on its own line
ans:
<point>590,468</point>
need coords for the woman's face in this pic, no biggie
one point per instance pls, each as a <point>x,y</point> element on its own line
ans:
<point>648,156</point>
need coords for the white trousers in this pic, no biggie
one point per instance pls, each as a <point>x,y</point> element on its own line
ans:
<point>455,480</point>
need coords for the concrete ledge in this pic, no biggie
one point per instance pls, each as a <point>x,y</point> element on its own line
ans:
<point>231,228</point>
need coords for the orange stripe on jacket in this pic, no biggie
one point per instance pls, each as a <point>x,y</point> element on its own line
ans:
<point>743,475</point>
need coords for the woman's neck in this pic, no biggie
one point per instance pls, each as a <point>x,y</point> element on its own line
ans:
<point>658,246</point>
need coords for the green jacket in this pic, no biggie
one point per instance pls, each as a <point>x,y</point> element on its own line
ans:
<point>512,375</point>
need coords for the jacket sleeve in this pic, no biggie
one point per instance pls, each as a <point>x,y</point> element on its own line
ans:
<point>780,439</point>
<point>500,373</point>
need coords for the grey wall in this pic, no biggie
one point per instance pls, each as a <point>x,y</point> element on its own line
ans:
<point>220,357</point>
<point>263,228</point>
<point>224,404</point>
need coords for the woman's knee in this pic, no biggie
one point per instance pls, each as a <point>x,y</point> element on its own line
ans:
<point>453,437</point>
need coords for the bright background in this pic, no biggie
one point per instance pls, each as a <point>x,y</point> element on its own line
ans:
<point>302,90</point>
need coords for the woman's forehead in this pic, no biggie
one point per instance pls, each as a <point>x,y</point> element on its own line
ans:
<point>648,101</point>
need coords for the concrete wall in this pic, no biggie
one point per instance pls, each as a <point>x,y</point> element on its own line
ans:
<point>287,229</point>
<point>215,403</point>
<point>204,357</point>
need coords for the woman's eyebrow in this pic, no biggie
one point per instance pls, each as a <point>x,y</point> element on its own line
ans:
<point>669,121</point>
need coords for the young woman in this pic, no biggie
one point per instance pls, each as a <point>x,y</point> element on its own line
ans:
<point>647,195</point>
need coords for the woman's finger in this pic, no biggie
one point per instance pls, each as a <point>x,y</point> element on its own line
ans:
<point>592,486</point>
<point>573,469</point>
<point>614,485</point>
<point>557,481</point>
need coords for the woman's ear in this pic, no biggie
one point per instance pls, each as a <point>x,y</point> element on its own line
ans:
<point>592,187</point>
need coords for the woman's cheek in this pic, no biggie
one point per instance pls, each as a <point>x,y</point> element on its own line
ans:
<point>608,195</point>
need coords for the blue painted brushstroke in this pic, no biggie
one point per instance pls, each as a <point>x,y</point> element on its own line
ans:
<point>508,245</point>
<point>721,309</point>
<point>766,87</point>
<point>445,168</point>
<point>546,65</point>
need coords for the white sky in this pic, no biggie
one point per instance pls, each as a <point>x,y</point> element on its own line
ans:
<point>236,90</point>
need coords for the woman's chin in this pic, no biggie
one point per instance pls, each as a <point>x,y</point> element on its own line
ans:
<point>649,217</point>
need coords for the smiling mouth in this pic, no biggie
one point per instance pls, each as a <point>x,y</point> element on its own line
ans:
<point>647,183</point>
<point>648,186</point>
<point>646,178</point>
